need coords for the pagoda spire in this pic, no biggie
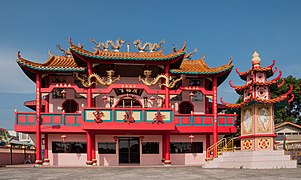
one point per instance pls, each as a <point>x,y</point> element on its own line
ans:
<point>255,60</point>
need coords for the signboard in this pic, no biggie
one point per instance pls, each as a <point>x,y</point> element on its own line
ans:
<point>134,91</point>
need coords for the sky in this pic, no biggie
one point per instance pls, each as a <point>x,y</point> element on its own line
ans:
<point>220,29</point>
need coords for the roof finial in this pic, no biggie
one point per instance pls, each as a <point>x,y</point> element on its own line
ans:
<point>255,60</point>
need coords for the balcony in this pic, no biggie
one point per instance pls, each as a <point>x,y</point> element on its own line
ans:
<point>125,119</point>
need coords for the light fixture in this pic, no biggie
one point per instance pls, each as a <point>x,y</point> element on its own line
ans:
<point>63,92</point>
<point>64,137</point>
<point>141,138</point>
<point>115,138</point>
<point>191,138</point>
<point>152,98</point>
<point>105,99</point>
<point>191,96</point>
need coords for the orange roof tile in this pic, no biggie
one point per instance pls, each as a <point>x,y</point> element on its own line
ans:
<point>283,97</point>
<point>126,56</point>
<point>53,64</point>
<point>200,67</point>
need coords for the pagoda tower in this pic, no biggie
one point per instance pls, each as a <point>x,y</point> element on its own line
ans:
<point>257,106</point>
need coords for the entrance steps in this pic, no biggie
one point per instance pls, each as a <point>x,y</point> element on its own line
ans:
<point>252,160</point>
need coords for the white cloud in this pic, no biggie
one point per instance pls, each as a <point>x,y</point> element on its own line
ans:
<point>13,78</point>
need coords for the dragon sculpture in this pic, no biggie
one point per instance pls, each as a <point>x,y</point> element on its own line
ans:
<point>101,81</point>
<point>118,45</point>
<point>169,81</point>
<point>154,46</point>
<point>137,43</point>
<point>189,55</point>
<point>65,53</point>
<point>105,46</point>
<point>99,46</point>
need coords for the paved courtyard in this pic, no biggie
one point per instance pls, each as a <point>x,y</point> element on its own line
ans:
<point>141,173</point>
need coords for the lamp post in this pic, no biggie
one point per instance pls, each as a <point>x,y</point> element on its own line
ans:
<point>191,138</point>
<point>64,137</point>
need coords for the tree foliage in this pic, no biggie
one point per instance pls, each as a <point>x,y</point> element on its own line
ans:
<point>292,111</point>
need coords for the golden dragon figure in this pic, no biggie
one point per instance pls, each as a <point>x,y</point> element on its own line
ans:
<point>169,81</point>
<point>99,80</point>
<point>155,46</point>
<point>137,43</point>
<point>118,45</point>
<point>100,45</point>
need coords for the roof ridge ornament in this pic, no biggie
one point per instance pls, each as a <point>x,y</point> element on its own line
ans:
<point>256,60</point>
<point>66,53</point>
<point>189,55</point>
<point>117,46</point>
<point>138,44</point>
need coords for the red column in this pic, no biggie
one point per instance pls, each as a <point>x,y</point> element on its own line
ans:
<point>38,119</point>
<point>46,156</point>
<point>167,149</point>
<point>167,96</point>
<point>94,160</point>
<point>206,105</point>
<point>47,104</point>
<point>47,99</point>
<point>214,112</point>
<point>89,91</point>
<point>207,141</point>
<point>163,147</point>
<point>89,149</point>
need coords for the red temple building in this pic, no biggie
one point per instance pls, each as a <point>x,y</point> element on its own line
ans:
<point>106,107</point>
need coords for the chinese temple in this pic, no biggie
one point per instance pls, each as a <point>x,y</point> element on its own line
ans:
<point>257,120</point>
<point>109,107</point>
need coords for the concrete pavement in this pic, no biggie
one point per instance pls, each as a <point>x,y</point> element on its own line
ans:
<point>141,173</point>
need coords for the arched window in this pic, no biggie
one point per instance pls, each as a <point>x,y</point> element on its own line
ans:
<point>185,107</point>
<point>70,106</point>
<point>129,102</point>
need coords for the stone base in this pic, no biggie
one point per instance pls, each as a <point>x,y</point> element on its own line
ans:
<point>89,163</point>
<point>167,163</point>
<point>253,160</point>
<point>38,163</point>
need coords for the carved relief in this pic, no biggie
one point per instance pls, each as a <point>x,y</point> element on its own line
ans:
<point>262,93</point>
<point>247,144</point>
<point>260,77</point>
<point>247,121</point>
<point>263,120</point>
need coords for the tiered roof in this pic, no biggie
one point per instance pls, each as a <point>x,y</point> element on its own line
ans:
<point>81,56</point>
<point>53,64</point>
<point>287,97</point>
<point>268,70</point>
<point>76,62</point>
<point>272,84</point>
<point>284,98</point>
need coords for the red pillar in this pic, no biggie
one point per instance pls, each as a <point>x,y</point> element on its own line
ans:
<point>163,147</point>
<point>89,91</point>
<point>167,96</point>
<point>47,104</point>
<point>89,149</point>
<point>214,111</point>
<point>94,160</point>
<point>167,149</point>
<point>47,99</point>
<point>206,105</point>
<point>207,141</point>
<point>38,119</point>
<point>46,156</point>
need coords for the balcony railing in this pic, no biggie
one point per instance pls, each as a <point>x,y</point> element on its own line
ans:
<point>120,117</point>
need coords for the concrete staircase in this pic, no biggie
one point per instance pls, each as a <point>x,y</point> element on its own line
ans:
<point>252,160</point>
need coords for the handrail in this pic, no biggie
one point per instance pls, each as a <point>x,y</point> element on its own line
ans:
<point>223,145</point>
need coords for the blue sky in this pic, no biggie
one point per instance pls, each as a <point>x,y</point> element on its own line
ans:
<point>219,29</point>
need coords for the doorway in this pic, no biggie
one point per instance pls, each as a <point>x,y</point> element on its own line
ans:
<point>129,151</point>
<point>129,102</point>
